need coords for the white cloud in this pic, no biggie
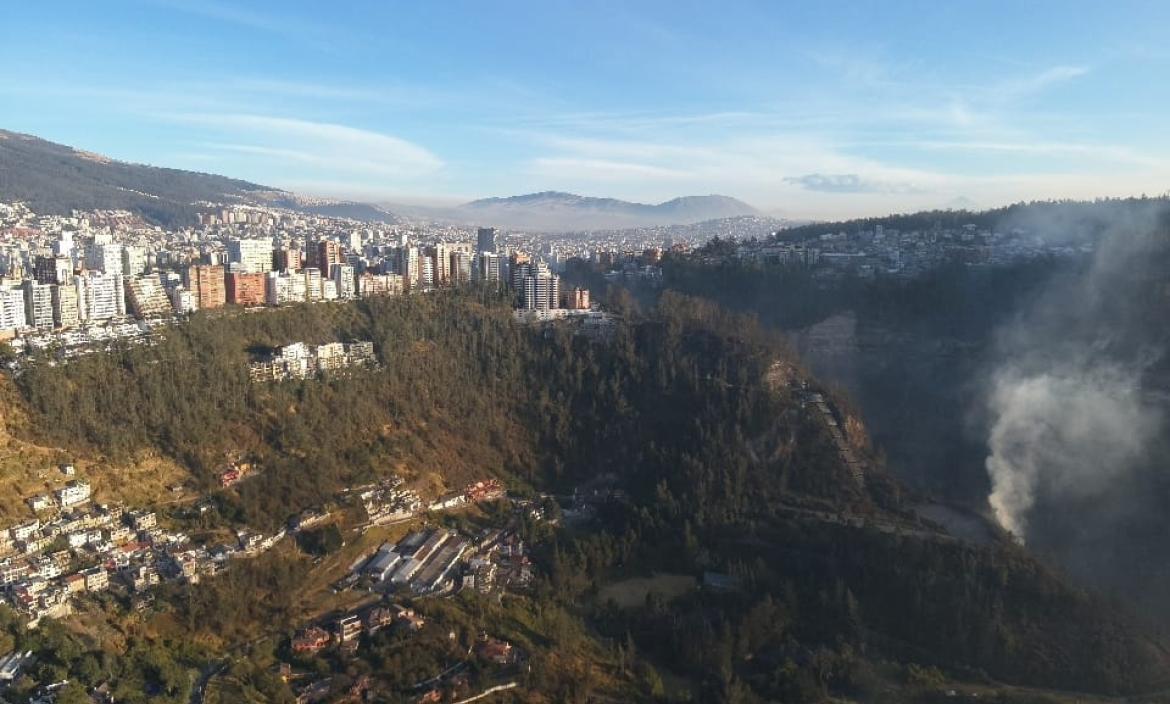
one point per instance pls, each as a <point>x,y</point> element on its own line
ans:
<point>320,145</point>
<point>1031,84</point>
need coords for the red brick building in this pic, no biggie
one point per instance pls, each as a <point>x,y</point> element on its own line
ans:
<point>246,289</point>
<point>206,282</point>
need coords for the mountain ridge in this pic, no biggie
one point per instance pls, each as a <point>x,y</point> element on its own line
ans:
<point>562,210</point>
<point>56,179</point>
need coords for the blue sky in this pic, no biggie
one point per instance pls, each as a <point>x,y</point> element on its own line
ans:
<point>804,109</point>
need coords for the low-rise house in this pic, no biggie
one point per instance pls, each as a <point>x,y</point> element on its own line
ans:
<point>310,640</point>
<point>408,619</point>
<point>229,476</point>
<point>118,534</point>
<point>486,490</point>
<point>72,494</point>
<point>347,628</point>
<point>35,544</point>
<point>96,579</point>
<point>450,501</point>
<point>74,583</point>
<point>377,618</point>
<point>41,503</point>
<point>23,531</point>
<point>143,520</point>
<point>48,569</point>
<point>12,571</point>
<point>140,577</point>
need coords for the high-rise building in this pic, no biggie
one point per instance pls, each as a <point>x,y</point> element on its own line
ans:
<point>134,261</point>
<point>38,304</point>
<point>489,266</point>
<point>460,267</point>
<point>440,255</point>
<point>344,279</point>
<point>104,256</point>
<point>247,289</point>
<point>542,291</point>
<point>53,270</point>
<point>250,256</point>
<point>206,282</point>
<point>285,287</point>
<point>313,290</point>
<point>63,247</point>
<point>328,254</point>
<point>66,305</point>
<point>147,297</point>
<point>521,269</point>
<point>427,275</point>
<point>486,240</point>
<point>286,259</point>
<point>12,308</point>
<point>579,299</point>
<point>183,300</point>
<point>100,296</point>
<point>380,285</point>
<point>410,268</point>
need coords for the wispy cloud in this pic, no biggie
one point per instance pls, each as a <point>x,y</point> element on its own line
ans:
<point>240,14</point>
<point>1091,153</point>
<point>848,183</point>
<point>325,146</point>
<point>1031,84</point>
<point>603,170</point>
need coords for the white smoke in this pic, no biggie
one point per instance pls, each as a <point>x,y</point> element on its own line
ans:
<point>1066,408</point>
<point>1067,431</point>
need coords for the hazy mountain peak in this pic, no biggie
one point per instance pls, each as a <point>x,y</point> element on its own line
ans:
<point>557,210</point>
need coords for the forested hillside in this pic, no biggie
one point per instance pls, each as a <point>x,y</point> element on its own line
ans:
<point>718,467</point>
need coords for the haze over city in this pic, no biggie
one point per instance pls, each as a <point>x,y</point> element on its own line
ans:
<point>833,111</point>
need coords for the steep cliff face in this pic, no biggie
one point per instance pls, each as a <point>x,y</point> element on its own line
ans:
<point>914,392</point>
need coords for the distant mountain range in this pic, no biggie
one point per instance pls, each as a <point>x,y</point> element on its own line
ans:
<point>56,179</point>
<point>554,210</point>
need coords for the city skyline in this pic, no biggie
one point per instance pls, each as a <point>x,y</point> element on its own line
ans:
<point>802,114</point>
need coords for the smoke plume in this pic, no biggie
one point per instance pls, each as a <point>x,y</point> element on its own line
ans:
<point>1068,432</point>
<point>1072,416</point>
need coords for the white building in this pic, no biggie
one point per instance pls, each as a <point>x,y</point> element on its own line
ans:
<point>134,261</point>
<point>313,290</point>
<point>147,297</point>
<point>282,288</point>
<point>542,291</point>
<point>100,296</point>
<point>343,276</point>
<point>73,493</point>
<point>12,309</point>
<point>104,256</point>
<point>410,268</point>
<point>38,304</point>
<point>250,256</point>
<point>183,300</point>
